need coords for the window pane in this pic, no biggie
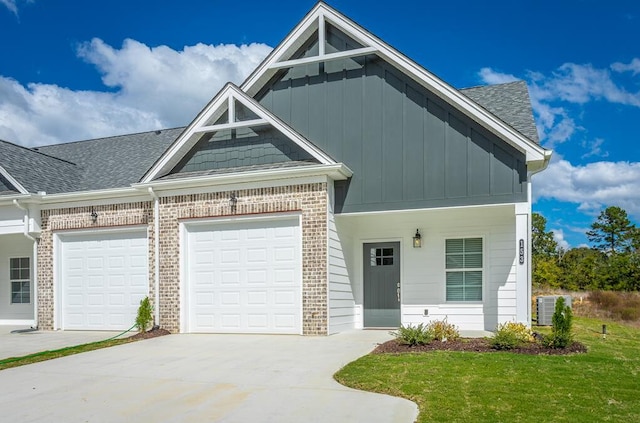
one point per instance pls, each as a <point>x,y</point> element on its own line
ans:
<point>24,262</point>
<point>14,263</point>
<point>455,246</point>
<point>455,261</point>
<point>25,286</point>
<point>473,245</point>
<point>473,260</point>
<point>473,294</point>
<point>473,279</point>
<point>14,274</point>
<point>387,261</point>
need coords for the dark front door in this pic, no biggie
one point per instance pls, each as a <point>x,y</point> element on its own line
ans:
<point>382,284</point>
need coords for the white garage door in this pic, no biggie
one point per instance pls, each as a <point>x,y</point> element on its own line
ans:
<point>244,277</point>
<point>104,276</point>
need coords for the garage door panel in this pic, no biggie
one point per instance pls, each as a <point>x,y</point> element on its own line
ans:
<point>103,278</point>
<point>253,261</point>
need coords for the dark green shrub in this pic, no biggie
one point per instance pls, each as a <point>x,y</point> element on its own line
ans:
<point>145,315</point>
<point>442,330</point>
<point>561,322</point>
<point>413,335</point>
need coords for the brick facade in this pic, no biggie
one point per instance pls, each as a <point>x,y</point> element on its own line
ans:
<point>308,199</point>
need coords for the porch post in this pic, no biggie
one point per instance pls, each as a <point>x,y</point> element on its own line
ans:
<point>523,263</point>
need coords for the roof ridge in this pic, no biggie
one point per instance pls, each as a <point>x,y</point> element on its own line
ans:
<point>33,150</point>
<point>111,137</point>
<point>517,81</point>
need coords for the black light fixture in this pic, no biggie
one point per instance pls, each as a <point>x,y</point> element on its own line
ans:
<point>417,240</point>
<point>233,199</point>
<point>94,216</point>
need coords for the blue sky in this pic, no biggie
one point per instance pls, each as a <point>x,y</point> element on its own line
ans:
<point>74,70</point>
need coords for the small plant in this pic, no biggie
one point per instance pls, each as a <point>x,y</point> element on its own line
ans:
<point>511,335</point>
<point>145,315</point>
<point>442,330</point>
<point>413,335</point>
<point>561,322</point>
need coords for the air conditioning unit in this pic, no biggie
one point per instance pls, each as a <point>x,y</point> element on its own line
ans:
<point>546,306</point>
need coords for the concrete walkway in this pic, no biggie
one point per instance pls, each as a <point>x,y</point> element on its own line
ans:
<point>24,343</point>
<point>203,378</point>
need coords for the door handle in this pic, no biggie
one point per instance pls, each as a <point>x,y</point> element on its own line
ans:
<point>398,291</point>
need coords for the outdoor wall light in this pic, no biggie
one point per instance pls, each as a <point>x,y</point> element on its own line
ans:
<point>94,216</point>
<point>417,240</point>
<point>233,199</point>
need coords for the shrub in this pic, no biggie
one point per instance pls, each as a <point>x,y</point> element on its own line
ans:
<point>561,322</point>
<point>413,335</point>
<point>629,314</point>
<point>145,315</point>
<point>510,335</point>
<point>443,330</point>
<point>605,299</point>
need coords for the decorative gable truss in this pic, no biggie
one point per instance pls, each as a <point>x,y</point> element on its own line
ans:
<point>230,110</point>
<point>312,35</point>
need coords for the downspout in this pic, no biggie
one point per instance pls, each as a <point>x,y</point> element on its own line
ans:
<point>156,247</point>
<point>35,260</point>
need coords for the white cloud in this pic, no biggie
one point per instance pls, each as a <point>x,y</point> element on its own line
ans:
<point>558,236</point>
<point>490,76</point>
<point>592,186</point>
<point>595,148</point>
<point>150,88</point>
<point>11,5</point>
<point>174,84</point>
<point>633,66</point>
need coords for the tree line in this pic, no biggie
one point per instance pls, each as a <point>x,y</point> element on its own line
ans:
<point>612,263</point>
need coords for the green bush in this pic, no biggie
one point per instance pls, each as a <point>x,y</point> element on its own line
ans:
<point>413,335</point>
<point>511,335</point>
<point>443,330</point>
<point>145,315</point>
<point>561,322</point>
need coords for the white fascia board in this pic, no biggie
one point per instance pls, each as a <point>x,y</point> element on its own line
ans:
<point>334,171</point>
<point>7,200</point>
<point>13,181</point>
<point>96,195</point>
<point>533,151</point>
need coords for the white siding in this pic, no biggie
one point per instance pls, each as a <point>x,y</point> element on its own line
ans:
<point>14,246</point>
<point>422,269</point>
<point>341,301</point>
<point>11,220</point>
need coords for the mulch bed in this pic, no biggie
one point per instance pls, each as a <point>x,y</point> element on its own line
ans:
<point>475,345</point>
<point>150,334</point>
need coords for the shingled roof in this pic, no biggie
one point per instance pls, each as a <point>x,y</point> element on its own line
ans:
<point>510,102</point>
<point>114,162</point>
<point>36,171</point>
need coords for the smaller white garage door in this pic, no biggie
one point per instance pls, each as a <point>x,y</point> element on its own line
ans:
<point>244,276</point>
<point>104,275</point>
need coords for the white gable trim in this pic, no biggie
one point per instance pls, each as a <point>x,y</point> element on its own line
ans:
<point>536,155</point>
<point>225,101</point>
<point>17,185</point>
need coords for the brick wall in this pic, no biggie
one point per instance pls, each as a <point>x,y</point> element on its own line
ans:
<point>79,218</point>
<point>308,199</point>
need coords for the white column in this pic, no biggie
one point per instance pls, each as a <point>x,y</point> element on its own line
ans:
<point>523,263</point>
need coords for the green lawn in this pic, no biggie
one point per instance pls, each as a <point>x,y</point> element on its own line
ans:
<point>600,386</point>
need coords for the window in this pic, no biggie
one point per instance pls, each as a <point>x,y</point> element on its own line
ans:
<point>20,277</point>
<point>464,269</point>
<point>381,257</point>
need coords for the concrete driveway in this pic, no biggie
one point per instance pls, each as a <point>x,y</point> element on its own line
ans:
<point>202,378</point>
<point>29,342</point>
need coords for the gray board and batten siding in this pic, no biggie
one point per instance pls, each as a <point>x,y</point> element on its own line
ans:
<point>406,147</point>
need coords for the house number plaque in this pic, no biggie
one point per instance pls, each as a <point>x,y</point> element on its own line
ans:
<point>521,251</point>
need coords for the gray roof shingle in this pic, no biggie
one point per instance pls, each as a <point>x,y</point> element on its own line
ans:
<point>36,171</point>
<point>114,162</point>
<point>510,102</point>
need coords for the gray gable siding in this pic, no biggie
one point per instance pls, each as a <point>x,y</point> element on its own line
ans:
<point>407,148</point>
<point>239,148</point>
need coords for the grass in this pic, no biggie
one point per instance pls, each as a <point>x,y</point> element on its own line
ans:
<point>62,352</point>
<point>601,385</point>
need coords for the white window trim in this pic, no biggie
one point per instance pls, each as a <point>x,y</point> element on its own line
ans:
<point>11,280</point>
<point>480,269</point>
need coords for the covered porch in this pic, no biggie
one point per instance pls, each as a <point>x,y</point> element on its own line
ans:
<point>17,280</point>
<point>469,266</point>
